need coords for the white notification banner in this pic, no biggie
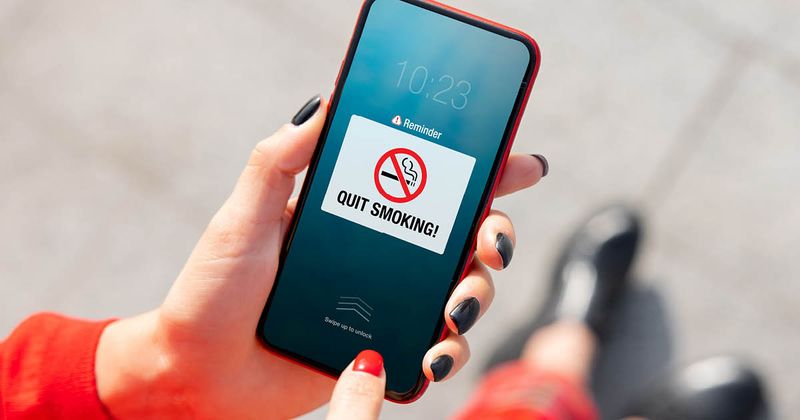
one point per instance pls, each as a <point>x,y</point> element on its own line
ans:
<point>398,184</point>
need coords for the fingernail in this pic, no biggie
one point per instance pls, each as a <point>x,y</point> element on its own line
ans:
<point>307,111</point>
<point>465,314</point>
<point>441,366</point>
<point>505,248</point>
<point>369,361</point>
<point>545,164</point>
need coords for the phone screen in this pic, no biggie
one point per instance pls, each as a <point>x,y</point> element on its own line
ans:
<point>417,129</point>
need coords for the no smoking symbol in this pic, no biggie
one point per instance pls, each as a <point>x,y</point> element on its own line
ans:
<point>400,175</point>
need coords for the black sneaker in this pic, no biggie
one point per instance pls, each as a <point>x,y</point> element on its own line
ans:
<point>588,277</point>
<point>719,388</point>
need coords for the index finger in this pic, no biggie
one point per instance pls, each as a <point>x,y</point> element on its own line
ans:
<point>359,392</point>
<point>521,171</point>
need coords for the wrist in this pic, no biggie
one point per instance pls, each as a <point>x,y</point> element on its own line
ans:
<point>132,370</point>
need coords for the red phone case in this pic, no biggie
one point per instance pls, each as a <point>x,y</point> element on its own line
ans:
<point>488,205</point>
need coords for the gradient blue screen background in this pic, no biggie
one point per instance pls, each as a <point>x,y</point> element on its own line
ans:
<point>331,257</point>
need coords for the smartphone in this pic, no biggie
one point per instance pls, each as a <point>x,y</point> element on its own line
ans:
<point>420,124</point>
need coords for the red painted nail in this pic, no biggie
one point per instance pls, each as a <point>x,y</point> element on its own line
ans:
<point>369,361</point>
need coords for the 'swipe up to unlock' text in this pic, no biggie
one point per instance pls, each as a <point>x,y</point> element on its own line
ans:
<point>398,184</point>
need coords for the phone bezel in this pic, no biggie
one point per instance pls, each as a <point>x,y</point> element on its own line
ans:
<point>486,198</point>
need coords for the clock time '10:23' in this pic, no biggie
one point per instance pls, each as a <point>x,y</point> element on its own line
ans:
<point>447,91</point>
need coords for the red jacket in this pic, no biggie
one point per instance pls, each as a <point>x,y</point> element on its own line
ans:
<point>47,369</point>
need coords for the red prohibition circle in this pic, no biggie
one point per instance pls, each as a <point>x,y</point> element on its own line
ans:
<point>408,195</point>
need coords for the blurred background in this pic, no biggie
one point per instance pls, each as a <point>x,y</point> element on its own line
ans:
<point>124,124</point>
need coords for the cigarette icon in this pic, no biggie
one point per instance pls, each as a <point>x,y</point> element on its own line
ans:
<point>394,177</point>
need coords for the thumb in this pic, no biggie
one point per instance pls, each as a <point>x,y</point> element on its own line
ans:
<point>230,272</point>
<point>359,392</point>
<point>258,201</point>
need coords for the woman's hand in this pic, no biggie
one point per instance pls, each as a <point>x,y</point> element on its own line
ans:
<point>197,355</point>
<point>358,394</point>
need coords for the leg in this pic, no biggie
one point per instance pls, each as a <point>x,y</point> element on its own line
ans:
<point>552,356</point>
<point>565,348</point>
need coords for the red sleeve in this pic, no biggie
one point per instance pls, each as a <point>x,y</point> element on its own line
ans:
<point>47,369</point>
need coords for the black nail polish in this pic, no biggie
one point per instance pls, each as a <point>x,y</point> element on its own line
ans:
<point>441,366</point>
<point>307,111</point>
<point>545,164</point>
<point>505,248</point>
<point>465,314</point>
